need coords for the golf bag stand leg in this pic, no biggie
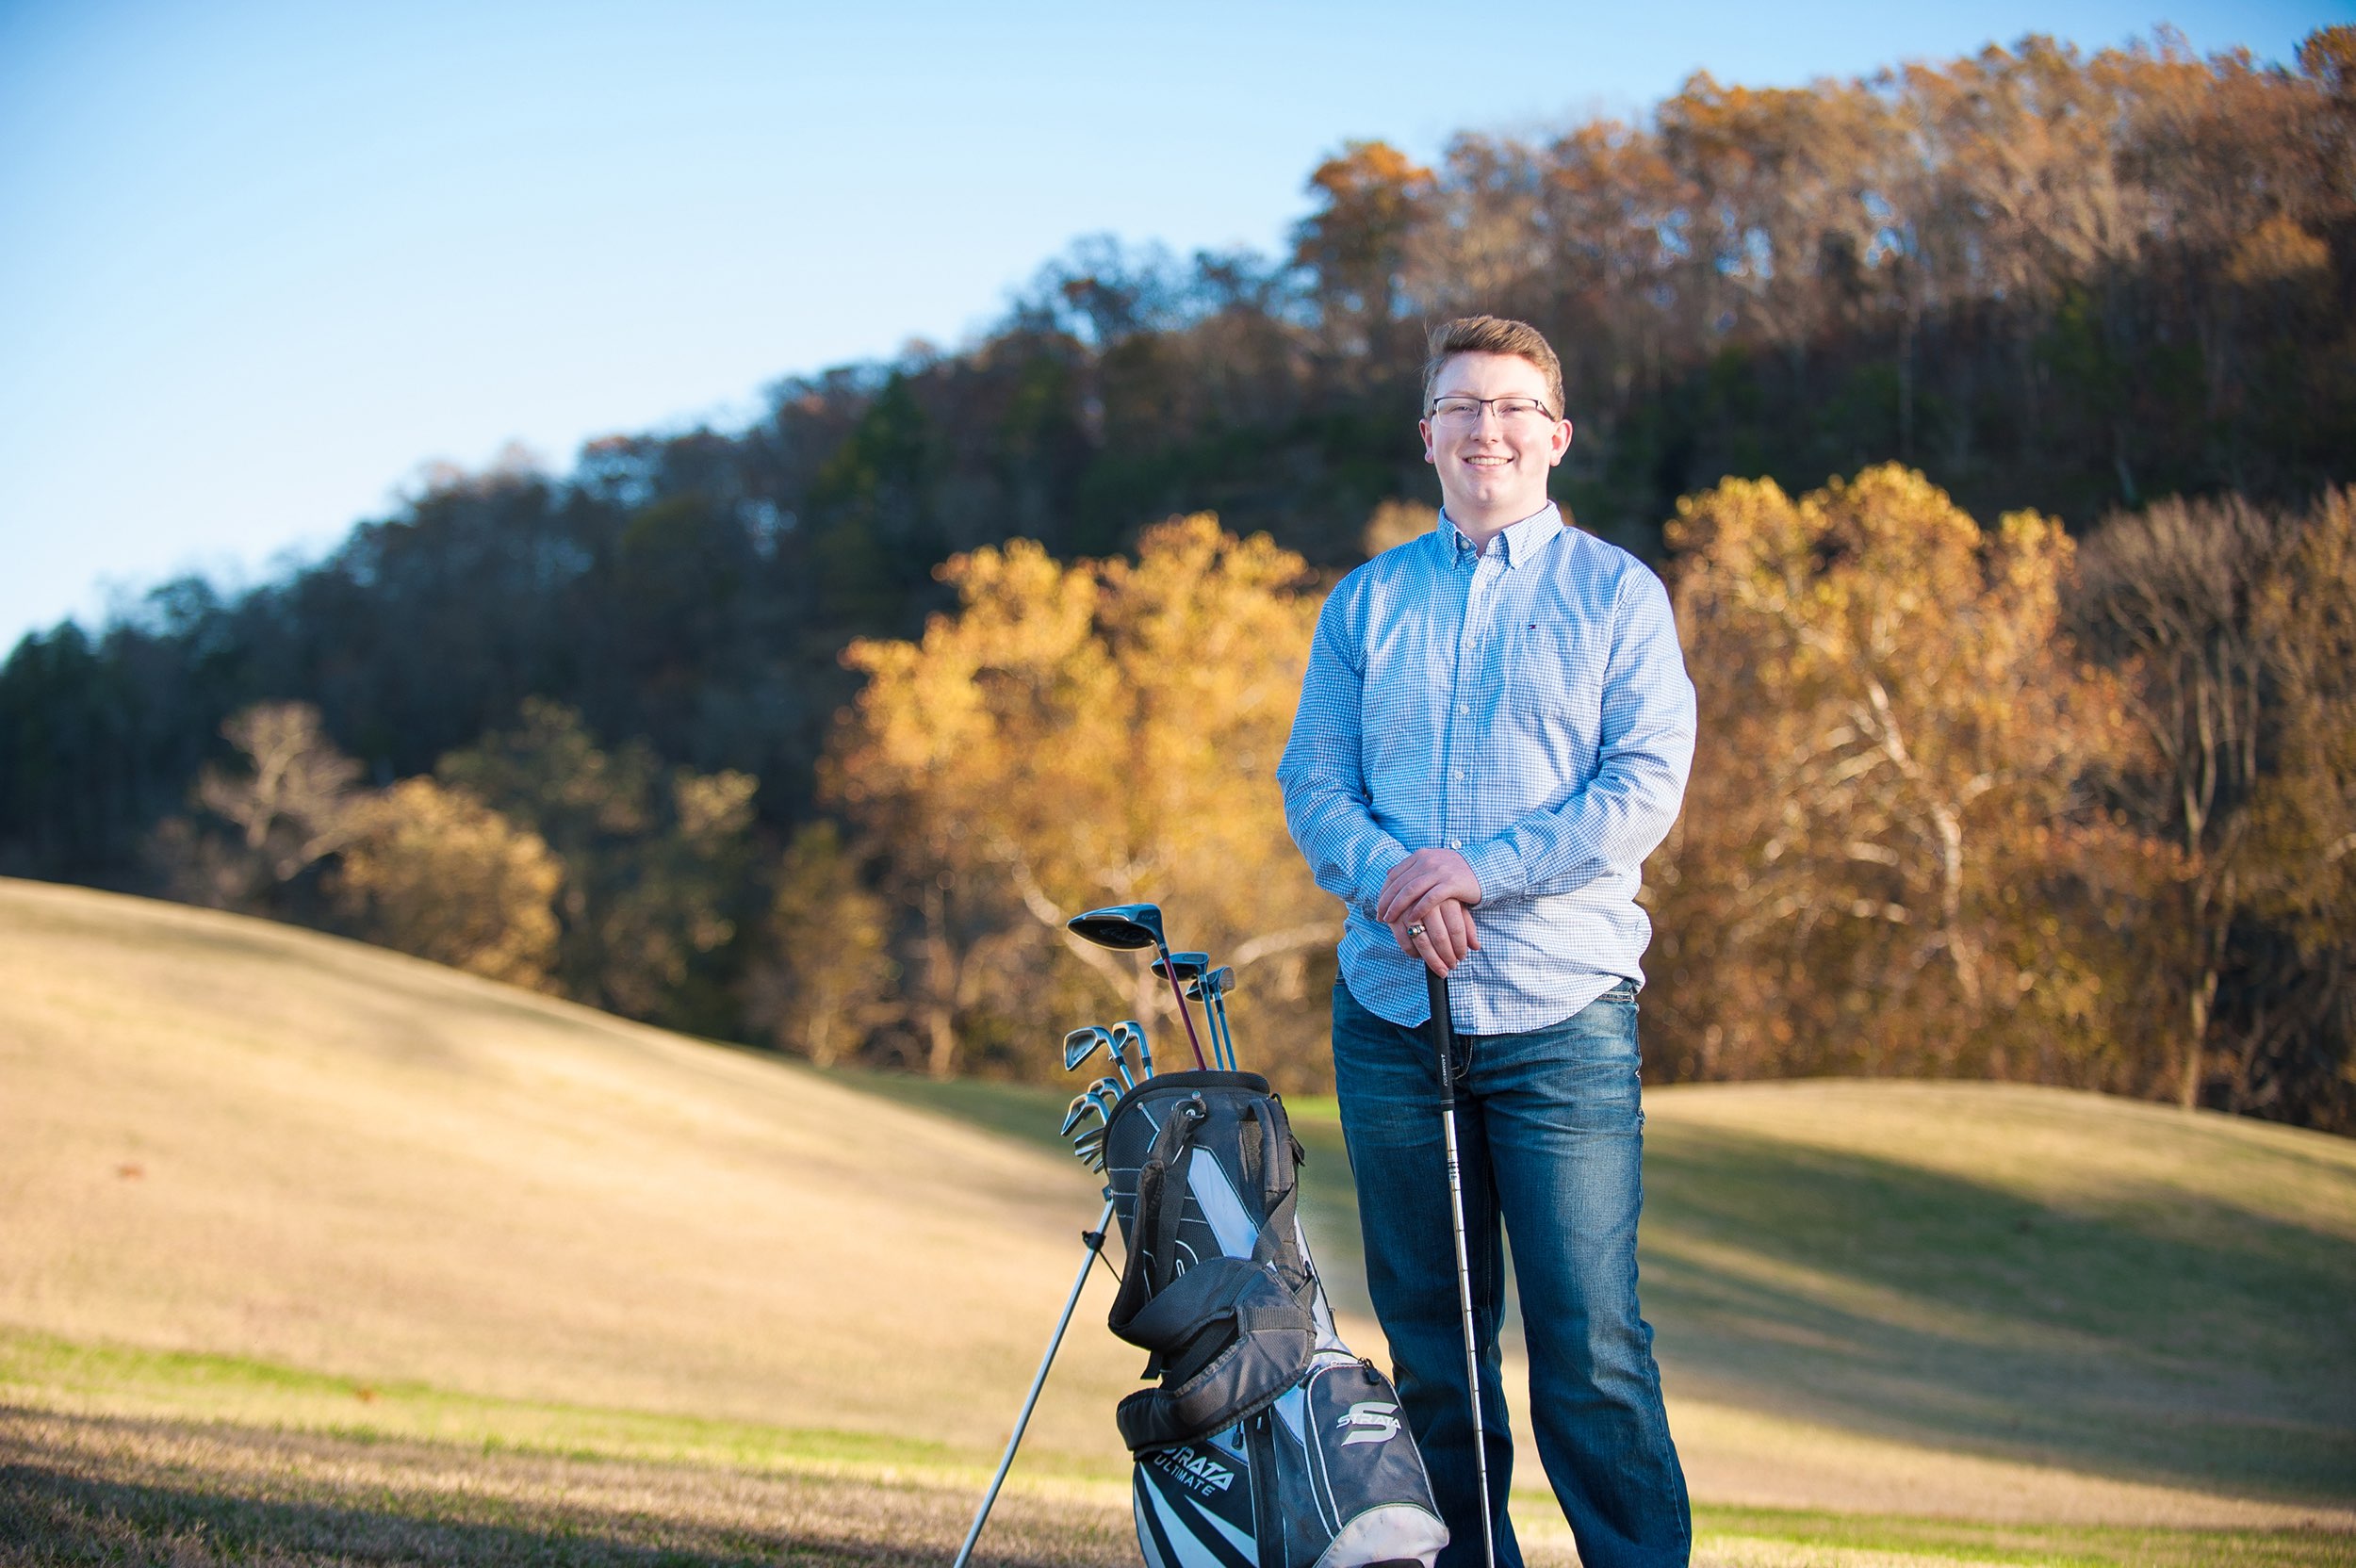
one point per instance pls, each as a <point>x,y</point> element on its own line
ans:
<point>1030,1401</point>
<point>1444,1048</point>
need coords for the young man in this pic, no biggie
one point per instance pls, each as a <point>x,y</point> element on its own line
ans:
<point>1495,731</point>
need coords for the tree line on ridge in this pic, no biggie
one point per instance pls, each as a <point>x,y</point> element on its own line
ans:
<point>2039,282</point>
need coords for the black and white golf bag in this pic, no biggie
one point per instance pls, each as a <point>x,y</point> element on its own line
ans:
<point>1266,1442</point>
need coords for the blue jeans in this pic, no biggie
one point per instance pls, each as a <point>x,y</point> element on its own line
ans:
<point>1550,1134</point>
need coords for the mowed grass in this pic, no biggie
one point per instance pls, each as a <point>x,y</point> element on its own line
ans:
<point>310,1252</point>
<point>1985,1298</point>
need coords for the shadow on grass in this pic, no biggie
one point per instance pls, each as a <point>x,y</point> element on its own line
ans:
<point>2161,1335</point>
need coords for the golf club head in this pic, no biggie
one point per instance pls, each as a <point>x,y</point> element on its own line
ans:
<point>1074,1113</point>
<point>1104,1094</point>
<point>1121,925</point>
<point>1211,985</point>
<point>1117,1047</point>
<point>1089,1142</point>
<point>1189,966</point>
<point>1082,1043</point>
<point>1130,1032</point>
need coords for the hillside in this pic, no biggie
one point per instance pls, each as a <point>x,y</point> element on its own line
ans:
<point>222,1135</point>
<point>253,1172</point>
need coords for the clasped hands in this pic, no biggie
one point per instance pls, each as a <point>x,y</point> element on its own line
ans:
<point>1427,902</point>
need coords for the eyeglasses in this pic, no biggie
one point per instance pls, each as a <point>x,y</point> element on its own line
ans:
<point>1467,411</point>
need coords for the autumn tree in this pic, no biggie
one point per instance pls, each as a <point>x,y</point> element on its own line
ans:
<point>1078,735</point>
<point>1895,854</point>
<point>824,977</point>
<point>431,870</point>
<point>286,806</point>
<point>1395,522</point>
<point>654,857</point>
<point>1371,197</point>
<point>2170,596</point>
<point>2299,1052</point>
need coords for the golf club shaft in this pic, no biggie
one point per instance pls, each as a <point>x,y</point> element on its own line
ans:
<point>1443,1042</point>
<point>1030,1401</point>
<point>1170,973</point>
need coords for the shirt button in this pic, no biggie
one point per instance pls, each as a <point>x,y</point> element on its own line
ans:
<point>1460,775</point>
<point>1456,844</point>
<point>1463,708</point>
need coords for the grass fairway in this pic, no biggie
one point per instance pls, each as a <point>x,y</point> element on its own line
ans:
<point>311,1253</point>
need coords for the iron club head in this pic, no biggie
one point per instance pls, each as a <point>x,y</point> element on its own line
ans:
<point>1117,1047</point>
<point>1082,1043</point>
<point>1129,1032</point>
<point>1106,1094</point>
<point>1075,1112</point>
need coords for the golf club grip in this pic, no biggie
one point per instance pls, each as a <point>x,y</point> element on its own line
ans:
<point>1443,1033</point>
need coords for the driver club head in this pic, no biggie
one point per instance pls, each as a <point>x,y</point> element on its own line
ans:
<point>1189,966</point>
<point>1082,1043</point>
<point>1121,925</point>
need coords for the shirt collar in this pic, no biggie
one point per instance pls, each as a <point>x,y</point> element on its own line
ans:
<point>1519,542</point>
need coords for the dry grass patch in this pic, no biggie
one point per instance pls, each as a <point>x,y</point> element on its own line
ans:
<point>304,1245</point>
<point>223,1136</point>
<point>197,1494</point>
<point>101,1490</point>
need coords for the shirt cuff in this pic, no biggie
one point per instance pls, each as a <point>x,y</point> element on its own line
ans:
<point>1379,866</point>
<point>1499,869</point>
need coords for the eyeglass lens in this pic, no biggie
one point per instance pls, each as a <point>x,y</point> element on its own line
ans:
<point>1466,410</point>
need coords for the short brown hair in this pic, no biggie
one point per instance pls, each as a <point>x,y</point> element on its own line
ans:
<point>1494,335</point>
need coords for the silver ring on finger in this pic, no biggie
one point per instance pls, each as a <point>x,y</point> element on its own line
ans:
<point>1416,929</point>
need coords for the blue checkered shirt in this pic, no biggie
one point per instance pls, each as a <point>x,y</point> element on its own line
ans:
<point>1528,708</point>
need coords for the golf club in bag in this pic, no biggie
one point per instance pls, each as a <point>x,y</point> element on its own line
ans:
<point>1134,926</point>
<point>1266,1443</point>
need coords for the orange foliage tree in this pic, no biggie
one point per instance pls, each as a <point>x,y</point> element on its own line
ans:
<point>2303,858</point>
<point>1079,735</point>
<point>1895,854</point>
<point>432,871</point>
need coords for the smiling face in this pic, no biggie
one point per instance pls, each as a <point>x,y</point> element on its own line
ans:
<point>1493,470</point>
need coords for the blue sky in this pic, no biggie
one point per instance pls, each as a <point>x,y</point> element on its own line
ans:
<point>260,261</point>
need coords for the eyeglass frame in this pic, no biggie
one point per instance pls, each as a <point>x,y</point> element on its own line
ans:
<point>1431,409</point>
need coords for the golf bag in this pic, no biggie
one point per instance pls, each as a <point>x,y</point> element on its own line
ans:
<point>1266,1442</point>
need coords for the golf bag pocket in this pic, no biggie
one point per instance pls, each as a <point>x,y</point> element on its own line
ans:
<point>1325,1477</point>
<point>1229,1337</point>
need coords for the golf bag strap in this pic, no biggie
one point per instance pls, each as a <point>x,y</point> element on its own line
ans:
<point>1161,1203</point>
<point>1278,1243</point>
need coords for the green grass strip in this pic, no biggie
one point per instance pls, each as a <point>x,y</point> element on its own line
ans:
<point>47,1372</point>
